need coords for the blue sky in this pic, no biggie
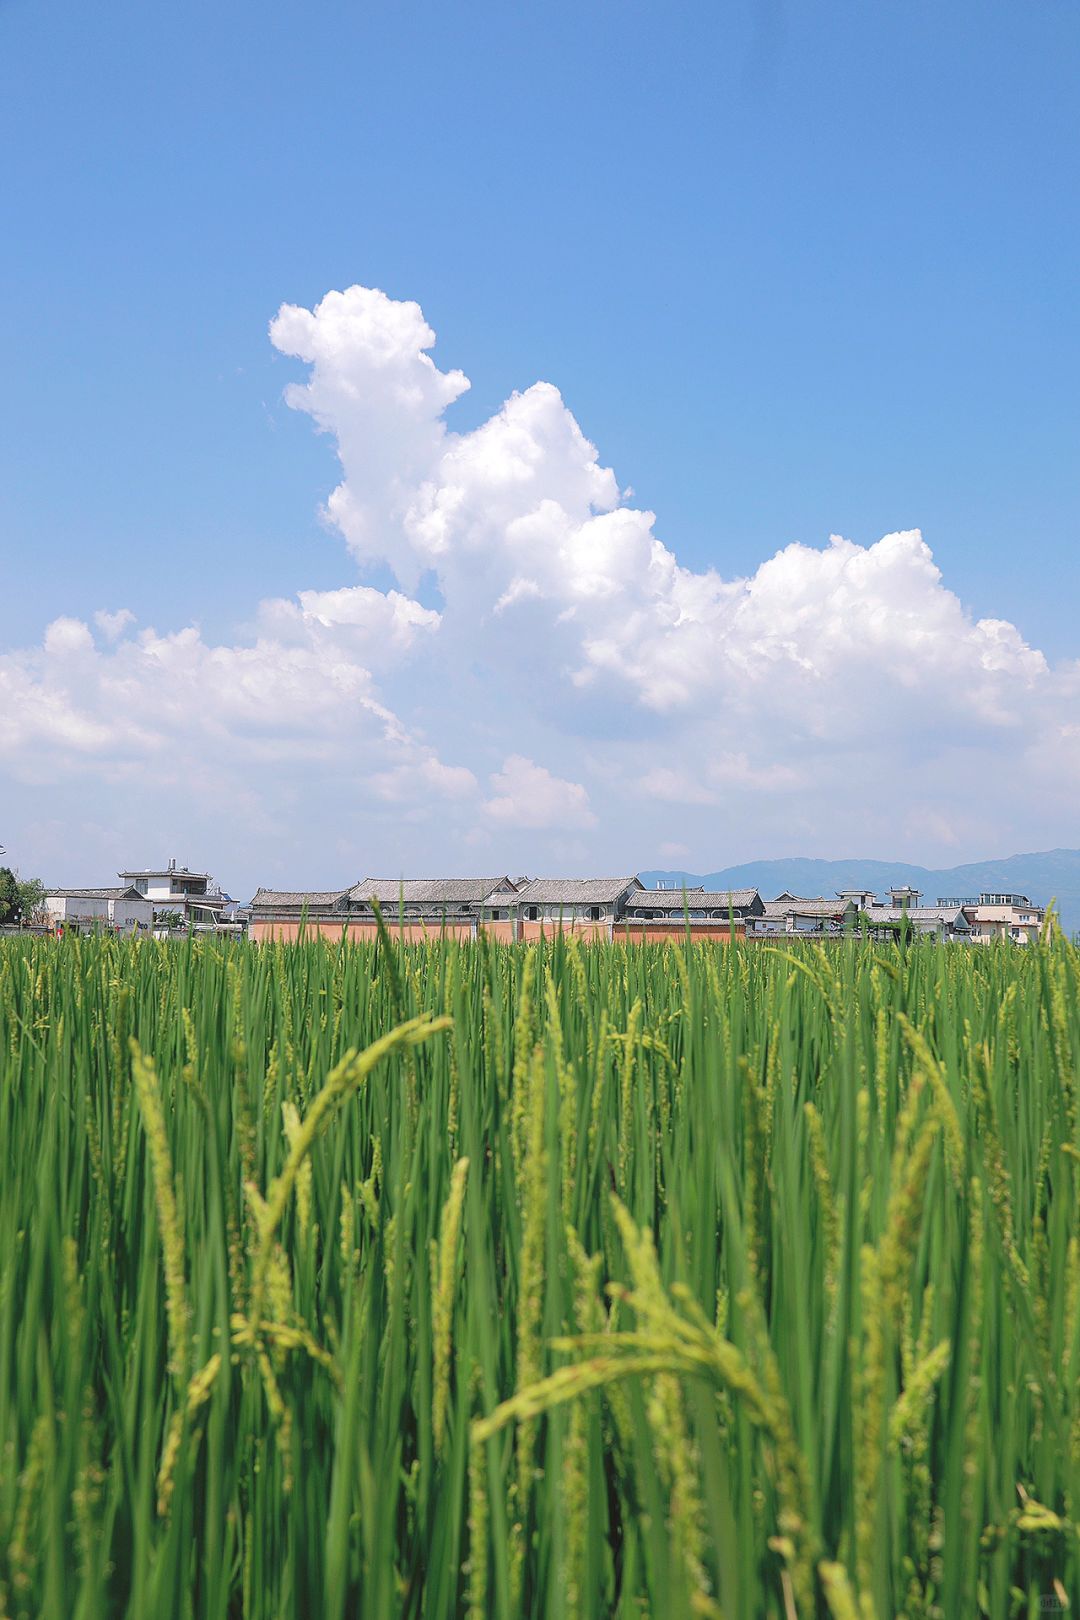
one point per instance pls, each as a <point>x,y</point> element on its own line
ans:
<point>796,271</point>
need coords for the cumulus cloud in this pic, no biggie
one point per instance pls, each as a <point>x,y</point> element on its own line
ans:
<point>838,647</point>
<point>298,697</point>
<point>840,692</point>
<point>519,513</point>
<point>353,621</point>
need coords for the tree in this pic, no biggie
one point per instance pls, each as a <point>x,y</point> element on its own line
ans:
<point>9,895</point>
<point>31,898</point>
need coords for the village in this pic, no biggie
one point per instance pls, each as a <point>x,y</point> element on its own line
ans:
<point>173,900</point>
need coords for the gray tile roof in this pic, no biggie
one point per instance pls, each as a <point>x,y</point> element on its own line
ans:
<point>694,900</point>
<point>125,893</point>
<point>817,907</point>
<point>577,891</point>
<point>295,899</point>
<point>954,915</point>
<point>434,892</point>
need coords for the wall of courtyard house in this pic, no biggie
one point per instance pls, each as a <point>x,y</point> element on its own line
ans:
<point>579,926</point>
<point>502,931</point>
<point>639,933</point>
<point>287,930</point>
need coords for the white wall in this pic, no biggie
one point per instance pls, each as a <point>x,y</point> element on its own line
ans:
<point>99,911</point>
<point>127,913</point>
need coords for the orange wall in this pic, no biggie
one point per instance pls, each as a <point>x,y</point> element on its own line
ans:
<point>502,932</point>
<point>661,933</point>
<point>330,928</point>
<point>554,925</point>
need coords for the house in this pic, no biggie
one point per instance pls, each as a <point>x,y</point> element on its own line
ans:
<point>1005,916</point>
<point>698,904</point>
<point>430,898</point>
<point>279,913</point>
<point>861,899</point>
<point>122,910</point>
<point>658,914</point>
<point>509,909</point>
<point>194,897</point>
<point>419,907</point>
<point>285,914</point>
<point>791,914</point>
<point>588,906</point>
<point>947,921</point>
<point>414,908</point>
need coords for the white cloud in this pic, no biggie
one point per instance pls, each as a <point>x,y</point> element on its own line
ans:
<point>528,796</point>
<point>379,627</point>
<point>519,513</point>
<point>837,697</point>
<point>178,708</point>
<point>113,625</point>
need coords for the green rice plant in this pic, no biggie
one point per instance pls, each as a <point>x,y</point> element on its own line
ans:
<point>564,1281</point>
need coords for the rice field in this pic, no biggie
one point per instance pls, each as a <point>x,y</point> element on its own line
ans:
<point>445,1280</point>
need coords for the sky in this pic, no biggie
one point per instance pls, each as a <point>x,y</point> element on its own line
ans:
<point>567,438</point>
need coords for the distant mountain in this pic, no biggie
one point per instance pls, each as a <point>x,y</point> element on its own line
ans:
<point>1052,875</point>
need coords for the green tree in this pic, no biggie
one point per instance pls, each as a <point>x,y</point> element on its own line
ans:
<point>9,895</point>
<point>31,898</point>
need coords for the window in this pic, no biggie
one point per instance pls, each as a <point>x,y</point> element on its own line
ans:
<point>140,884</point>
<point>532,913</point>
<point>594,913</point>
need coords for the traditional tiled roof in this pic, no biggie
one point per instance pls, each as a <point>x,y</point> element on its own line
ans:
<point>125,893</point>
<point>954,915</point>
<point>818,907</point>
<point>295,899</point>
<point>576,891</point>
<point>428,892</point>
<point>678,900</point>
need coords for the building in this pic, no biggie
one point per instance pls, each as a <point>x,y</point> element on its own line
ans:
<point>658,914</point>
<point>120,910</point>
<point>509,909</point>
<point>792,914</point>
<point>283,913</point>
<point>417,908</point>
<point>587,906</point>
<point>947,920</point>
<point>432,899</point>
<point>861,899</point>
<point>414,908</point>
<point>1002,916</point>
<point>193,897</point>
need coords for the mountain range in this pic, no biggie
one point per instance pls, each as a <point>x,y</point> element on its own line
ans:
<point>1052,874</point>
